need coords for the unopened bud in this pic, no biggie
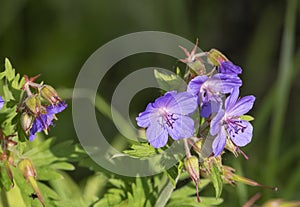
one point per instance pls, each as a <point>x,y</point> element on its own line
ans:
<point>216,57</point>
<point>192,167</point>
<point>26,121</point>
<point>27,169</point>
<point>50,94</point>
<point>33,103</point>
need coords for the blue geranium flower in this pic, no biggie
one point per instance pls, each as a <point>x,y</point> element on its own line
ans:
<point>228,122</point>
<point>43,121</point>
<point>168,115</point>
<point>211,89</point>
<point>227,67</point>
<point>1,102</point>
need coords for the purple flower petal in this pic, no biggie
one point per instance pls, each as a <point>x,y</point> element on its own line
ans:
<point>157,135</point>
<point>183,127</point>
<point>56,108</point>
<point>195,84</point>
<point>216,123</point>
<point>241,107</point>
<point>163,101</point>
<point>226,82</point>
<point>219,142</point>
<point>242,137</point>
<point>228,67</point>
<point>210,107</point>
<point>40,123</point>
<point>184,103</point>
<point>231,100</point>
<point>1,102</point>
<point>145,118</point>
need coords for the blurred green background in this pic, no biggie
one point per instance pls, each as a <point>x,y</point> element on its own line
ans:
<point>54,38</point>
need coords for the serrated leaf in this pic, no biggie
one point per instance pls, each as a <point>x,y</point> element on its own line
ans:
<point>169,82</point>
<point>247,117</point>
<point>216,180</point>
<point>117,183</point>
<point>137,197</point>
<point>10,72</point>
<point>143,150</point>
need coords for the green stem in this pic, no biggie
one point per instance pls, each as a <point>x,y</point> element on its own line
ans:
<point>282,88</point>
<point>165,194</point>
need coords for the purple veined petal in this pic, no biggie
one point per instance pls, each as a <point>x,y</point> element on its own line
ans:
<point>216,123</point>
<point>157,135</point>
<point>184,103</point>
<point>1,102</point>
<point>243,137</point>
<point>242,106</point>
<point>231,100</point>
<point>164,100</point>
<point>205,110</point>
<point>183,127</point>
<point>195,84</point>
<point>224,83</point>
<point>219,142</point>
<point>56,108</point>
<point>39,124</point>
<point>210,107</point>
<point>228,67</point>
<point>146,117</point>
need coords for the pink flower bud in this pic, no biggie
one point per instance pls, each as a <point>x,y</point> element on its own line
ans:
<point>216,57</point>
<point>50,94</point>
<point>33,104</point>
<point>26,121</point>
<point>192,167</point>
<point>27,169</point>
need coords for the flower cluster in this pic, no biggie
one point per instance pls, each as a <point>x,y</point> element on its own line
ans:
<point>222,124</point>
<point>169,114</point>
<point>38,109</point>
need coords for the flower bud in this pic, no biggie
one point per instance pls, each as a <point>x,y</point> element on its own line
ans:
<point>192,167</point>
<point>30,175</point>
<point>33,103</point>
<point>27,169</point>
<point>50,94</point>
<point>26,121</point>
<point>215,57</point>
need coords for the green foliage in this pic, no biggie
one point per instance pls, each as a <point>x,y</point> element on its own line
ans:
<point>217,181</point>
<point>45,159</point>
<point>169,82</point>
<point>143,150</point>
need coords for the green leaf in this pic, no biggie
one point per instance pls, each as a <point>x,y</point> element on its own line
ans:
<point>174,173</point>
<point>137,197</point>
<point>216,180</point>
<point>143,150</point>
<point>10,72</point>
<point>247,118</point>
<point>169,82</point>
<point>62,166</point>
<point>94,187</point>
<point>192,202</point>
<point>117,183</point>
<point>46,173</point>
<point>190,189</point>
<point>4,179</point>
